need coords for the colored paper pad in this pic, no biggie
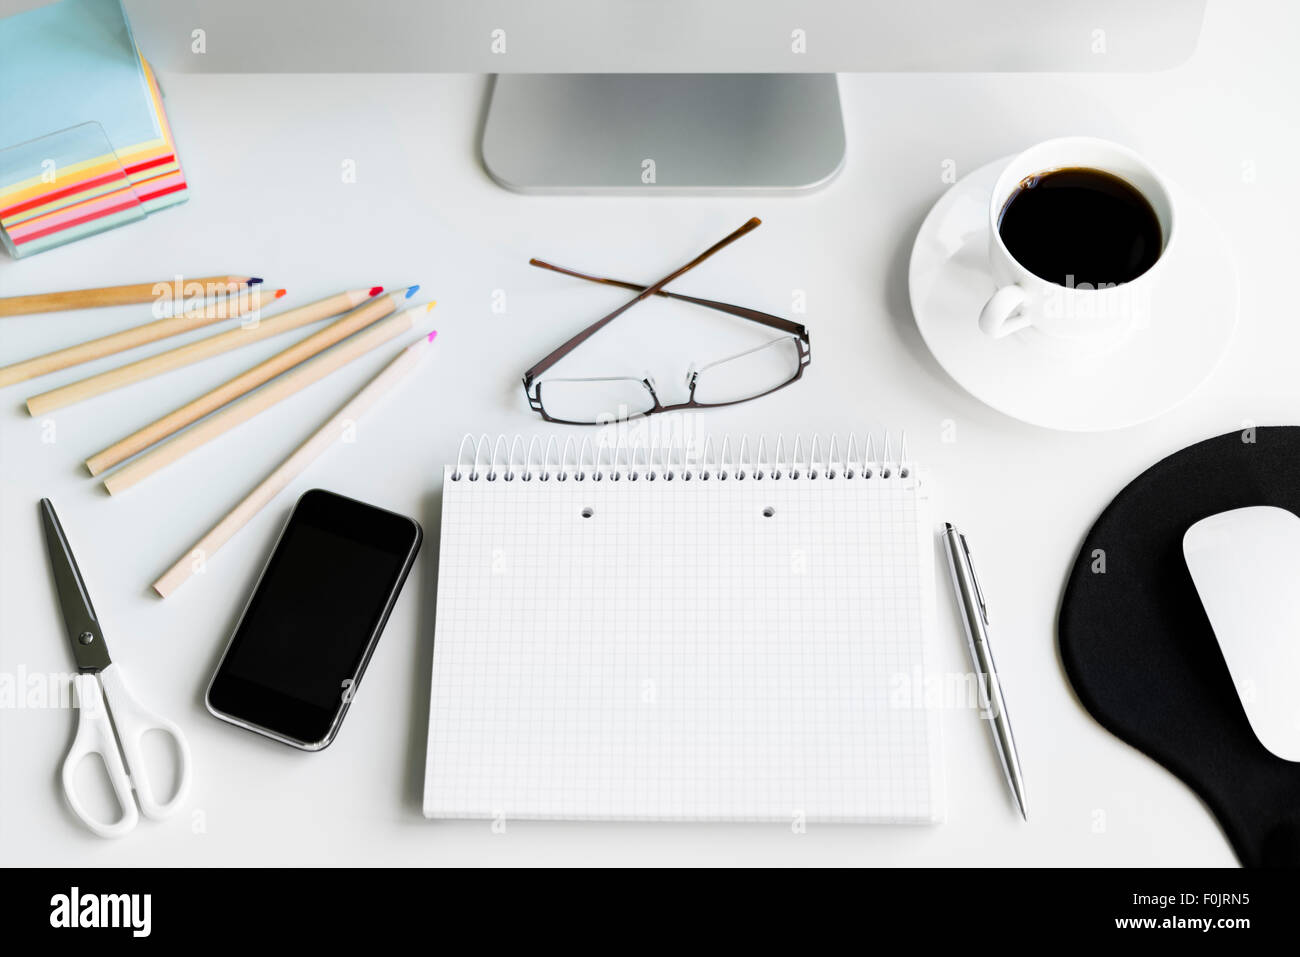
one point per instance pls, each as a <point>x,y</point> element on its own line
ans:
<point>93,147</point>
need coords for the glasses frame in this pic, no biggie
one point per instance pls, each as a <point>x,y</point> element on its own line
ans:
<point>805,357</point>
<point>794,330</point>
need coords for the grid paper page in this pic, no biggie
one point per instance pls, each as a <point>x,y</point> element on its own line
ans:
<point>679,655</point>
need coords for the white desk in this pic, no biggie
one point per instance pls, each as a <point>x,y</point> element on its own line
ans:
<point>264,156</point>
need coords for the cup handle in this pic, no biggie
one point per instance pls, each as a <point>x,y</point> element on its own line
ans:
<point>1003,313</point>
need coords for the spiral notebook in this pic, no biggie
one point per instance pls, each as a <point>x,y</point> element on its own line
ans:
<point>633,636</point>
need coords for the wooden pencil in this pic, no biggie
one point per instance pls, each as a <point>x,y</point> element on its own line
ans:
<point>122,295</point>
<point>292,467</point>
<point>246,408</point>
<point>192,411</point>
<point>184,355</point>
<point>228,308</point>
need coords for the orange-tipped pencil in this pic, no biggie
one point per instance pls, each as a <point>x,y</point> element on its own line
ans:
<point>241,335</point>
<point>228,308</point>
<point>206,287</point>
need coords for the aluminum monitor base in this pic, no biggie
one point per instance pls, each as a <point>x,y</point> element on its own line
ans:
<point>629,133</point>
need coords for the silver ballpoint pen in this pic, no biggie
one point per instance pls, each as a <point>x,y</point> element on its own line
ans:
<point>975,615</point>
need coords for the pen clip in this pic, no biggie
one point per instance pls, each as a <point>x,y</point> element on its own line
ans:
<point>975,580</point>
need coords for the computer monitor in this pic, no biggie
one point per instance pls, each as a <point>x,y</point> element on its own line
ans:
<point>671,96</point>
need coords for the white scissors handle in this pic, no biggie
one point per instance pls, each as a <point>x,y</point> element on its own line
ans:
<point>95,735</point>
<point>133,722</point>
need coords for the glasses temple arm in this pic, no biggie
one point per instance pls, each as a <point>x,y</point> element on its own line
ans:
<point>775,322</point>
<point>559,353</point>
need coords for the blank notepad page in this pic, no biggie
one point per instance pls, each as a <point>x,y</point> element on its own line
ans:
<point>683,649</point>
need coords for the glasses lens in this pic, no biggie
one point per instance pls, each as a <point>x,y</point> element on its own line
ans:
<point>751,373</point>
<point>594,400</point>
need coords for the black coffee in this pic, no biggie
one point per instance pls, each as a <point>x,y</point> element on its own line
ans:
<point>1079,226</point>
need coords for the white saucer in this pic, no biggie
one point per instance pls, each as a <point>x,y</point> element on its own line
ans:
<point>1193,317</point>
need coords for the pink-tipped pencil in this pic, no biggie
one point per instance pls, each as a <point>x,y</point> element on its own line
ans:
<point>293,466</point>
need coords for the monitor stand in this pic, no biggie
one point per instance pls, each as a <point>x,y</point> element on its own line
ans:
<point>629,133</point>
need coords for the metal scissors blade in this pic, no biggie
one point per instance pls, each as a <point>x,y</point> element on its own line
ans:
<point>78,613</point>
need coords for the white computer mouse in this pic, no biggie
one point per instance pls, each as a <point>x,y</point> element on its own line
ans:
<point>1246,566</point>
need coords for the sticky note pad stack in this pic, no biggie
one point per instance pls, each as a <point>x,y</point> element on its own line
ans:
<point>84,141</point>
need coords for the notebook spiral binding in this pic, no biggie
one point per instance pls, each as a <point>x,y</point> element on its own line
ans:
<point>511,459</point>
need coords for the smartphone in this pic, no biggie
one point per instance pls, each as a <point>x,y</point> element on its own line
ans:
<point>316,614</point>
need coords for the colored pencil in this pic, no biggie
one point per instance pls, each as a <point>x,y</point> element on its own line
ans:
<point>184,355</point>
<point>196,409</point>
<point>246,408</point>
<point>227,308</point>
<point>292,467</point>
<point>121,295</point>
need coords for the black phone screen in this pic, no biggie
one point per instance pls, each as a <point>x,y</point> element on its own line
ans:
<point>309,628</point>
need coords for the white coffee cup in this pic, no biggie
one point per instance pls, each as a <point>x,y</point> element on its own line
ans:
<point>1079,315</point>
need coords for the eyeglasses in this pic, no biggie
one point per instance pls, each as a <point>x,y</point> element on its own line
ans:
<point>727,381</point>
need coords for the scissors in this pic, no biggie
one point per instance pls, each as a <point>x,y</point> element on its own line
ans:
<point>111,723</point>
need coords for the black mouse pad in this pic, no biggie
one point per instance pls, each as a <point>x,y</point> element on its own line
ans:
<point>1139,649</point>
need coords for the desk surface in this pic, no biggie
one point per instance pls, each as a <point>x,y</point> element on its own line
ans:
<point>264,155</point>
